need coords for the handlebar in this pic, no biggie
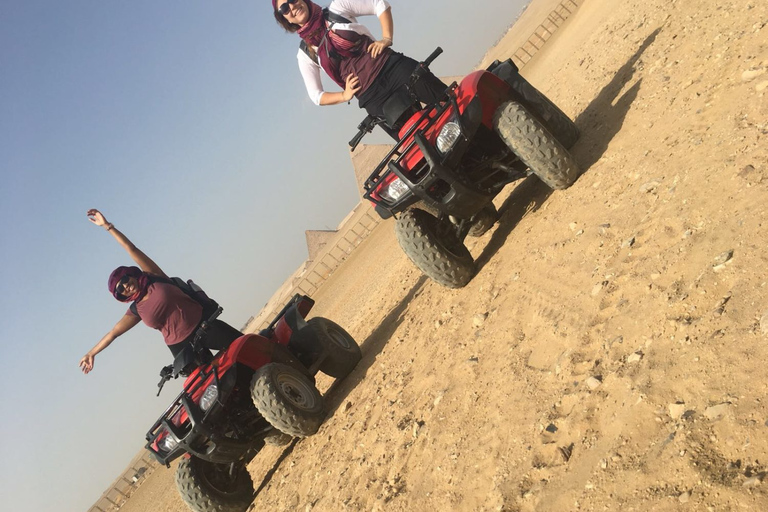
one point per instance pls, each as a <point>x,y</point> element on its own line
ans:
<point>432,56</point>
<point>367,126</point>
<point>370,122</point>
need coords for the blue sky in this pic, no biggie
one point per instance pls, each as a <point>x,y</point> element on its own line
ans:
<point>188,125</point>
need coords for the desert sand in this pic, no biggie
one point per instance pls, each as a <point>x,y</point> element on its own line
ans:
<point>610,353</point>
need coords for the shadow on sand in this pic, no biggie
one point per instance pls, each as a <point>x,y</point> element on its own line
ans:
<point>599,123</point>
<point>604,116</point>
<point>340,389</point>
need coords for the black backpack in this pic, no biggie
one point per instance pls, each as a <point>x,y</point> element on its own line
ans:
<point>188,287</point>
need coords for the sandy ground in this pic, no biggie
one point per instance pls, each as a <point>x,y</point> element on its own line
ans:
<point>610,353</point>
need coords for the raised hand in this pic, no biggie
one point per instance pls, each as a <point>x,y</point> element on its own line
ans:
<point>96,217</point>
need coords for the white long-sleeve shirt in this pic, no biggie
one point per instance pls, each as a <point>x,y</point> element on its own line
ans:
<point>350,9</point>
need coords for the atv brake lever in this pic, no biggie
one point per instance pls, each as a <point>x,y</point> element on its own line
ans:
<point>367,126</point>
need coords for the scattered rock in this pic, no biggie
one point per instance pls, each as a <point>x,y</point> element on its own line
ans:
<point>760,87</point>
<point>650,186</point>
<point>635,357</point>
<point>676,410</point>
<point>479,319</point>
<point>753,481</point>
<point>723,257</point>
<point>594,382</point>
<point>629,242</point>
<point>684,497</point>
<point>438,323</point>
<point>566,452</point>
<point>716,412</point>
<point>751,74</point>
<point>572,226</point>
<point>764,323</point>
<point>473,359</point>
<point>720,307</point>
<point>746,171</point>
<point>598,288</point>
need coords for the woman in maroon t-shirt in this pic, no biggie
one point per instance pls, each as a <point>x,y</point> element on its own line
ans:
<point>160,305</point>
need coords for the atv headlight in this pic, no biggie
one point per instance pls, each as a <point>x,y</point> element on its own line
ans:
<point>210,395</point>
<point>168,443</point>
<point>394,191</point>
<point>448,136</point>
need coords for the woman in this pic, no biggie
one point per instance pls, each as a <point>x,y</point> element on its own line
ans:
<point>158,303</point>
<point>332,40</point>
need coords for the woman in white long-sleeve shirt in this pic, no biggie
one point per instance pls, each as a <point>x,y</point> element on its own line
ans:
<point>333,40</point>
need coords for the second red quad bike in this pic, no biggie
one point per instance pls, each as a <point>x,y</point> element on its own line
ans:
<point>453,157</point>
<point>261,390</point>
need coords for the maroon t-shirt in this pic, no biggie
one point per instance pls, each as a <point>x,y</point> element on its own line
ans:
<point>359,62</point>
<point>169,310</point>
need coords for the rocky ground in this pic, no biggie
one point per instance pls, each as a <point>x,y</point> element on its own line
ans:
<point>610,354</point>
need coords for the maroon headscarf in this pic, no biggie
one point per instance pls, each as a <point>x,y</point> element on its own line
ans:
<point>135,272</point>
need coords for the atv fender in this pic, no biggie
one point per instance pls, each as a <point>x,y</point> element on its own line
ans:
<point>492,90</point>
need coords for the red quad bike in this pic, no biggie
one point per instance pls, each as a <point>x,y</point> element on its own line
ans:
<point>453,157</point>
<point>260,390</point>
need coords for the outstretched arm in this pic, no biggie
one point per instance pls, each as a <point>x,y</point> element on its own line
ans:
<point>142,260</point>
<point>124,325</point>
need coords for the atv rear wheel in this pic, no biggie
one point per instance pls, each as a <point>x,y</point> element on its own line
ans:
<point>287,399</point>
<point>207,487</point>
<point>343,353</point>
<point>439,255</point>
<point>535,146</point>
<point>483,221</point>
<point>559,125</point>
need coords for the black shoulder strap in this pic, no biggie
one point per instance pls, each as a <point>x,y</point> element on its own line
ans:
<point>305,48</point>
<point>329,16</point>
<point>333,17</point>
<point>134,309</point>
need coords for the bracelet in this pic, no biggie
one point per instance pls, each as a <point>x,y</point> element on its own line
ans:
<point>109,226</point>
<point>387,39</point>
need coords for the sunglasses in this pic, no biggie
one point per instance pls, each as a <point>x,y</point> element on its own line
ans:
<point>120,287</point>
<point>284,9</point>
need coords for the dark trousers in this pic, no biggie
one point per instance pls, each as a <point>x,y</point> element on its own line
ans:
<point>219,336</point>
<point>395,74</point>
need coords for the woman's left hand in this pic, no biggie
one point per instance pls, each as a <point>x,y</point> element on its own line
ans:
<point>377,47</point>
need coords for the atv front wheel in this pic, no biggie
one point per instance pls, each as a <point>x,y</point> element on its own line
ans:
<point>535,146</point>
<point>207,487</point>
<point>483,221</point>
<point>287,399</point>
<point>342,350</point>
<point>440,255</point>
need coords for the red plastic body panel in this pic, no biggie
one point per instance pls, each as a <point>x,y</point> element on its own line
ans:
<point>492,90</point>
<point>282,332</point>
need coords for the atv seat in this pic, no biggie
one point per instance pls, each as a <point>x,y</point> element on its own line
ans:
<point>398,108</point>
